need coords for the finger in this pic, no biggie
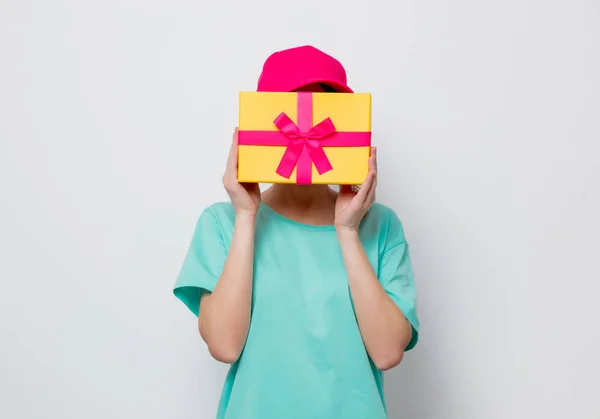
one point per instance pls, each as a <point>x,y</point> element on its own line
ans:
<point>370,198</point>
<point>362,194</point>
<point>374,155</point>
<point>373,159</point>
<point>372,193</point>
<point>232,148</point>
<point>232,159</point>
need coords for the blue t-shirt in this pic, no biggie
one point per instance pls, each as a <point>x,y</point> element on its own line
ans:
<point>304,357</point>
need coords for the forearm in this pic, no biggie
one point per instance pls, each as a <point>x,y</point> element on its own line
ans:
<point>225,313</point>
<point>384,329</point>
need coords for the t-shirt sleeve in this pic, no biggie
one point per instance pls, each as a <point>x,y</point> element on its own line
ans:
<point>396,276</point>
<point>203,263</point>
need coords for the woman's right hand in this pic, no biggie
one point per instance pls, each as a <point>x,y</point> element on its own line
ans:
<point>245,197</point>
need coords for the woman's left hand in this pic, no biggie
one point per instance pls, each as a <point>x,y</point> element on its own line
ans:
<point>351,207</point>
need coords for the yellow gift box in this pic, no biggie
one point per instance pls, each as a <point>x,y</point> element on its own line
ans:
<point>304,137</point>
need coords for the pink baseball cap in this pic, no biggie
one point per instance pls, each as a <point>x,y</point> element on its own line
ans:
<point>291,69</point>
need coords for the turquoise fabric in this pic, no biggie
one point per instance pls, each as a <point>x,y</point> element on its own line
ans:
<point>304,357</point>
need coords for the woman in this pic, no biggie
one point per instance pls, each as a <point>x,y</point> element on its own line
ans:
<point>306,292</point>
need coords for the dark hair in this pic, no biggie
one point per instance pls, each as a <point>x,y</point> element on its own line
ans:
<point>328,88</point>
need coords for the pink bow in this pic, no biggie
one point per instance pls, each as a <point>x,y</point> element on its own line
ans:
<point>298,140</point>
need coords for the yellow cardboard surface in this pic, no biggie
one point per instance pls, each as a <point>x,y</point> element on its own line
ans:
<point>350,112</point>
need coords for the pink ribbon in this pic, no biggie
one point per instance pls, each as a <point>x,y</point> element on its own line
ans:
<point>299,142</point>
<point>304,142</point>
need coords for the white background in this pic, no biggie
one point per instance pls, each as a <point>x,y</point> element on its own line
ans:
<point>115,119</point>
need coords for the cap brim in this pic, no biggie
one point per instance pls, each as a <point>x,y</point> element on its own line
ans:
<point>340,88</point>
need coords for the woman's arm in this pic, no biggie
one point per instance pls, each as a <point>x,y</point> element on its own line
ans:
<point>224,316</point>
<point>384,329</point>
<point>225,313</point>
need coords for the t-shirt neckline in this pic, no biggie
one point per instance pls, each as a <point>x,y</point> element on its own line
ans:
<point>287,220</point>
